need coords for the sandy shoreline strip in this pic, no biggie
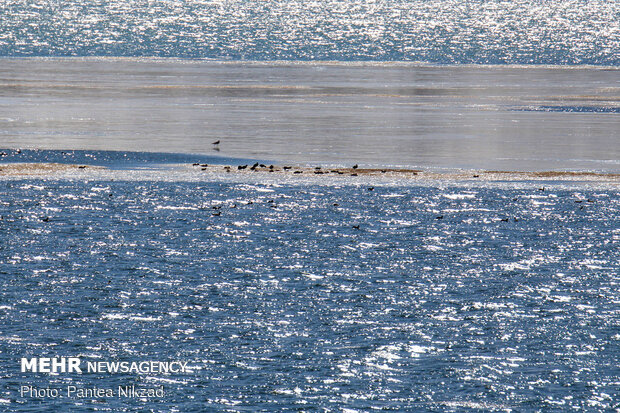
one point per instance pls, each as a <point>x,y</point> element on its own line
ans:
<point>414,174</point>
<point>40,169</point>
<point>48,169</point>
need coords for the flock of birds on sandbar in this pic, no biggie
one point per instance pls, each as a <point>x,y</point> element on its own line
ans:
<point>297,170</point>
<point>318,170</point>
<point>260,167</point>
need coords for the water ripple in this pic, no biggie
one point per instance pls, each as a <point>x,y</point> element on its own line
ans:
<point>508,302</point>
<point>473,31</point>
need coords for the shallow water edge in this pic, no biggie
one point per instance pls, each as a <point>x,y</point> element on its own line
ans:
<point>398,115</point>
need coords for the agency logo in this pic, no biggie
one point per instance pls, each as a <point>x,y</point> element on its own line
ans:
<point>56,365</point>
<point>51,365</point>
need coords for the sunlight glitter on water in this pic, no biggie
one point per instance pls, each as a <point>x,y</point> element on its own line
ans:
<point>280,302</point>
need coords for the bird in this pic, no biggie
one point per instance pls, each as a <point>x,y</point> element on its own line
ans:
<point>355,166</point>
<point>356,226</point>
<point>439,217</point>
<point>217,142</point>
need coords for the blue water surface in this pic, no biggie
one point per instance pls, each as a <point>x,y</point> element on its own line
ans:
<point>311,297</point>
<point>564,32</point>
